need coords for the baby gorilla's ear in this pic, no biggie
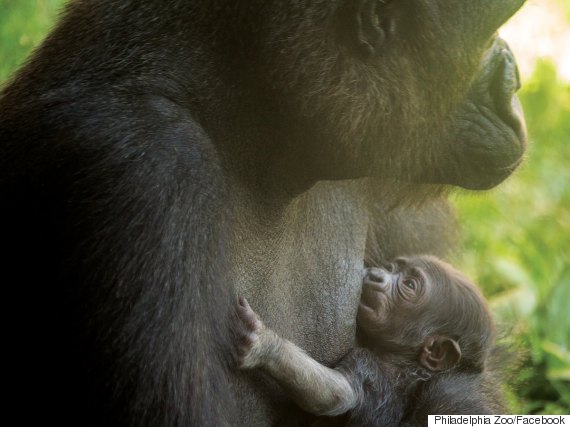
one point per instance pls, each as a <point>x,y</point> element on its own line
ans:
<point>440,353</point>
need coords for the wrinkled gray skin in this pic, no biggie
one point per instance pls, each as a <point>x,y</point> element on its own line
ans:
<point>160,157</point>
<point>287,286</point>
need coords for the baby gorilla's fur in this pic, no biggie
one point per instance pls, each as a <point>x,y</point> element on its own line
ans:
<point>424,337</point>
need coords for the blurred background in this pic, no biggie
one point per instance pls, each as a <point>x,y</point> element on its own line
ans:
<point>515,240</point>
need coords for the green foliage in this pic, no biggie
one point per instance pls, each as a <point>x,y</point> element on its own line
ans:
<point>516,245</point>
<point>516,239</point>
<point>23,24</point>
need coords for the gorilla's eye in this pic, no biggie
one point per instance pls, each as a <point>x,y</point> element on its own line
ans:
<point>410,284</point>
<point>408,288</point>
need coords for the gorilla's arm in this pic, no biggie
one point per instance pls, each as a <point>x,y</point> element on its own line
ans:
<point>139,260</point>
<point>314,387</point>
<point>150,284</point>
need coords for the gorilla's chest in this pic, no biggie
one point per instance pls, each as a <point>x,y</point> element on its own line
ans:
<point>302,273</point>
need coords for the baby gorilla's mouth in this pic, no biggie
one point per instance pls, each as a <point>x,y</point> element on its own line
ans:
<point>375,286</point>
<point>373,306</point>
<point>363,306</point>
<point>371,297</point>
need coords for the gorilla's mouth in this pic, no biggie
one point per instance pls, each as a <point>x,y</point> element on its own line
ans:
<point>372,298</point>
<point>373,307</point>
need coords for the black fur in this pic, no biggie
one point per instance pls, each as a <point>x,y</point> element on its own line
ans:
<point>396,397</point>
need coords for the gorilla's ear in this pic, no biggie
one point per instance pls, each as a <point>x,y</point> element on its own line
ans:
<point>440,353</point>
<point>373,23</point>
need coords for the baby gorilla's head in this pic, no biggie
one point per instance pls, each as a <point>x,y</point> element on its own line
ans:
<point>422,309</point>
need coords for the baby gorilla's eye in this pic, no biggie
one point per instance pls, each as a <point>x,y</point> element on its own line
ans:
<point>410,284</point>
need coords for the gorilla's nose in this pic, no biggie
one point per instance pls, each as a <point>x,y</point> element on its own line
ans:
<point>377,275</point>
<point>505,82</point>
<point>509,63</point>
<point>377,278</point>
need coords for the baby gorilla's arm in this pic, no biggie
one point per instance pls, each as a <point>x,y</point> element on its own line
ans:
<point>314,387</point>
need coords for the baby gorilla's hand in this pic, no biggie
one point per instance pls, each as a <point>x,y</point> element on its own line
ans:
<point>251,345</point>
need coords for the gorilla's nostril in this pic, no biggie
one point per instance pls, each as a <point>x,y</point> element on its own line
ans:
<point>504,85</point>
<point>376,275</point>
<point>510,66</point>
<point>518,83</point>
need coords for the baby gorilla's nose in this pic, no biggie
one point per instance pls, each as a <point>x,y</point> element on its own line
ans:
<point>376,275</point>
<point>377,278</point>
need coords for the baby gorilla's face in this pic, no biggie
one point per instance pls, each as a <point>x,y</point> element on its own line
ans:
<point>423,305</point>
<point>390,291</point>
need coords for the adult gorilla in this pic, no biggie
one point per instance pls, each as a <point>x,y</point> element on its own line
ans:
<point>158,155</point>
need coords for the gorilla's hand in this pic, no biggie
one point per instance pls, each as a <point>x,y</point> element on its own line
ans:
<point>251,343</point>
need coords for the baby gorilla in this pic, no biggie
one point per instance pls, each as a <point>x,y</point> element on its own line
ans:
<point>424,335</point>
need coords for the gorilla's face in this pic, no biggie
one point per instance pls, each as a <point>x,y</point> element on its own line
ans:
<point>406,90</point>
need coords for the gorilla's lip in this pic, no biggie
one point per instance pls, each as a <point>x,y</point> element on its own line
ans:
<point>513,117</point>
<point>365,307</point>
<point>372,296</point>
